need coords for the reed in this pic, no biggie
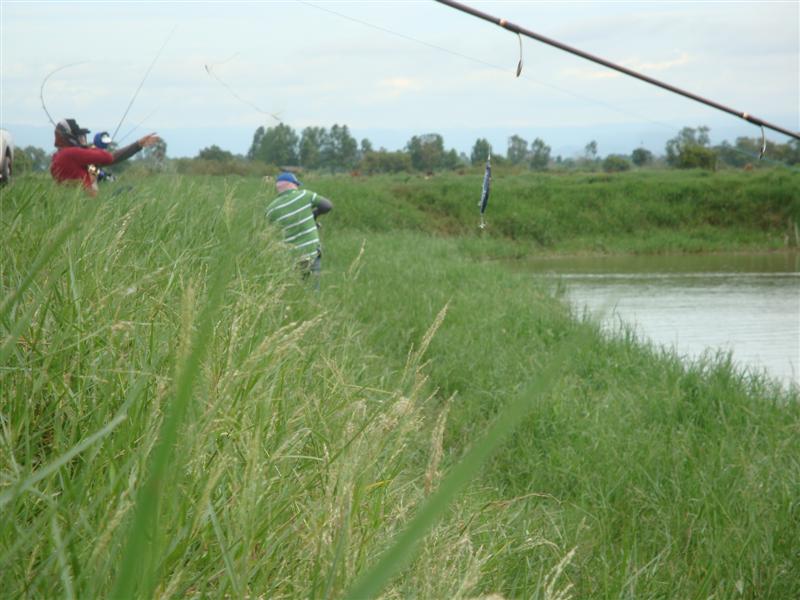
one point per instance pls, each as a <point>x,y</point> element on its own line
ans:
<point>181,417</point>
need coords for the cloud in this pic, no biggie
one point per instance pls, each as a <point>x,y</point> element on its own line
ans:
<point>663,65</point>
<point>395,86</point>
<point>645,68</point>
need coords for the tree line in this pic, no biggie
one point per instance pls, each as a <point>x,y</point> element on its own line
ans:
<point>334,149</point>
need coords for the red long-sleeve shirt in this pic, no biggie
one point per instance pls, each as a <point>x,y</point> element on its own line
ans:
<point>72,163</point>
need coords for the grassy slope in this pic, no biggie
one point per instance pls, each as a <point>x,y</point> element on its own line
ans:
<point>649,211</point>
<point>667,481</point>
<point>310,437</point>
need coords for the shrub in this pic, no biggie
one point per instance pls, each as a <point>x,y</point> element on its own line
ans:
<point>614,163</point>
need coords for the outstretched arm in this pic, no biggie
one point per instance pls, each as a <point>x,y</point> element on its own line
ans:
<point>128,151</point>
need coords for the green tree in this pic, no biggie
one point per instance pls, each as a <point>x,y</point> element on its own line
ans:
<point>480,151</point>
<point>312,141</point>
<point>339,149</point>
<point>736,155</point>
<point>426,151</point>
<point>214,152</point>
<point>788,152</point>
<point>517,152</point>
<point>590,151</point>
<point>383,161</point>
<point>747,150</point>
<point>641,157</point>
<point>364,148</point>
<point>31,158</point>
<point>687,143</point>
<point>153,157</point>
<point>615,163</point>
<point>539,155</point>
<point>697,157</point>
<point>277,145</point>
<point>22,162</point>
<point>258,135</point>
<point>451,160</point>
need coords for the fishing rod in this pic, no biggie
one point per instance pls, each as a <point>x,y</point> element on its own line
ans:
<point>136,93</point>
<point>130,104</point>
<point>44,81</point>
<point>134,128</point>
<point>601,61</point>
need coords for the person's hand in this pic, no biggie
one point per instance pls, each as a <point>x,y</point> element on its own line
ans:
<point>149,140</point>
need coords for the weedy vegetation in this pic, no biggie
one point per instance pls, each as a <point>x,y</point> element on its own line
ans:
<point>182,416</point>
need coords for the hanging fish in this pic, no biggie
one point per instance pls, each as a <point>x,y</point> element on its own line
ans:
<point>487,183</point>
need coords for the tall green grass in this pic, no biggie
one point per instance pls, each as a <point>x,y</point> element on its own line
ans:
<point>642,212</point>
<point>181,416</point>
<point>167,434</point>
<point>661,479</point>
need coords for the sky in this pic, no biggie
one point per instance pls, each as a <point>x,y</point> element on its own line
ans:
<point>211,73</point>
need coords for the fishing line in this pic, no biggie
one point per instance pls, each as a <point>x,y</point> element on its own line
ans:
<point>209,70</point>
<point>150,68</point>
<point>227,60</point>
<point>44,81</point>
<point>135,127</point>
<point>494,66</point>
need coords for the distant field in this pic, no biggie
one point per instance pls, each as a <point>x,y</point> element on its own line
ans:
<point>181,416</point>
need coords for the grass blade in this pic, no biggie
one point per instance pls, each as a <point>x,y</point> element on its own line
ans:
<point>145,520</point>
<point>370,584</point>
<point>10,493</point>
<point>226,555</point>
<point>45,255</point>
<point>66,575</point>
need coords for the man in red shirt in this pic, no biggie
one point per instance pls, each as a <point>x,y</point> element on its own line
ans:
<point>75,161</point>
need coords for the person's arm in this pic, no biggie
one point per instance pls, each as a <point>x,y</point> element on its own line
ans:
<point>128,151</point>
<point>82,157</point>
<point>125,153</point>
<point>320,205</point>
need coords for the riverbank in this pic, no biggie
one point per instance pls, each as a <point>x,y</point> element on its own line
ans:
<point>172,391</point>
<point>629,454</point>
<point>643,212</point>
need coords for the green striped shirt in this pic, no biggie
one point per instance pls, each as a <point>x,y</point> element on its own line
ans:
<point>292,211</point>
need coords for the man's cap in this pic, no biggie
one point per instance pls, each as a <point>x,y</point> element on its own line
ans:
<point>70,131</point>
<point>288,176</point>
<point>102,140</point>
<point>70,126</point>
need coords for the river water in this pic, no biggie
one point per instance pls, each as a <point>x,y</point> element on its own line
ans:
<point>745,304</point>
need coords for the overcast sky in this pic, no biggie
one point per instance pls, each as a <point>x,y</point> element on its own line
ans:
<point>390,70</point>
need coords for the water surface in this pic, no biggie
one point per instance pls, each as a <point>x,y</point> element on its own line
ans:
<point>745,304</point>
